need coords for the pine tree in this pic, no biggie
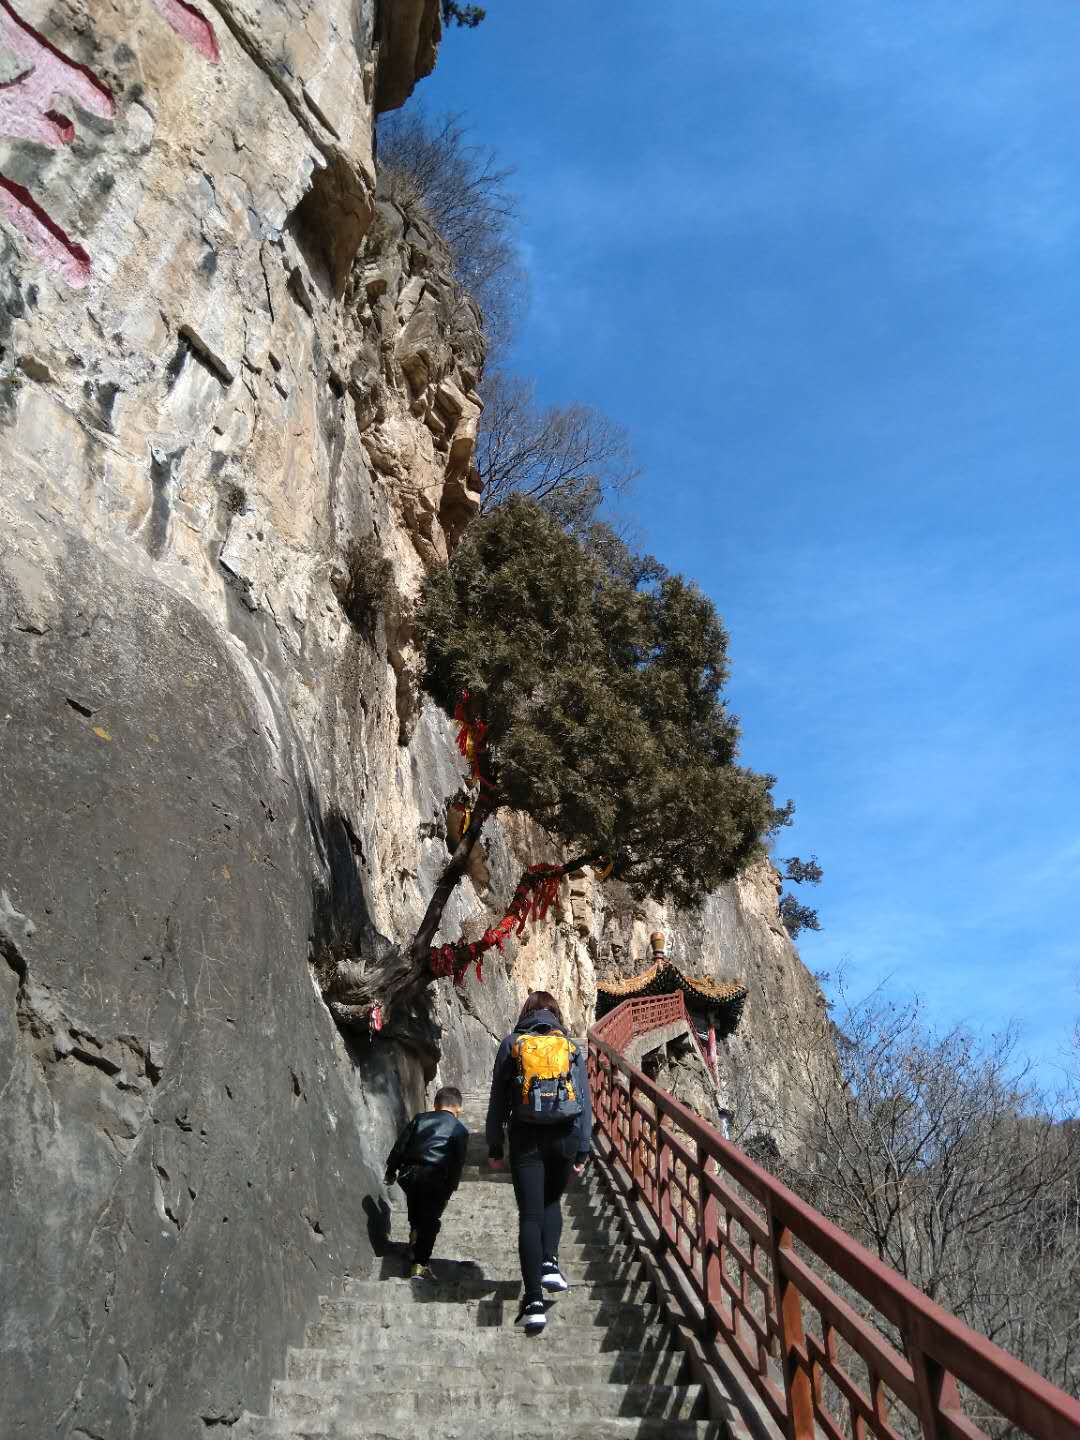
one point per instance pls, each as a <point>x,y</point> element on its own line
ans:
<point>599,681</point>
<point>468,16</point>
<point>597,678</point>
<point>795,915</point>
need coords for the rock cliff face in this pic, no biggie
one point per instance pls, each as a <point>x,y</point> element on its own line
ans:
<point>597,931</point>
<point>237,414</point>
<point>200,776</point>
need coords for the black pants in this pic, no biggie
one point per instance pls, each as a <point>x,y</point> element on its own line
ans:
<point>428,1195</point>
<point>541,1163</point>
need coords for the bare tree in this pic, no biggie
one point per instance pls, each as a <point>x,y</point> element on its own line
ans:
<point>944,1157</point>
<point>465,193</point>
<point>569,459</point>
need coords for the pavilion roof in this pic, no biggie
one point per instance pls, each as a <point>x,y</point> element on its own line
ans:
<point>663,978</point>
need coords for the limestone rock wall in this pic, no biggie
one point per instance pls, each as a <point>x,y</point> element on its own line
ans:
<point>237,412</point>
<point>201,783</point>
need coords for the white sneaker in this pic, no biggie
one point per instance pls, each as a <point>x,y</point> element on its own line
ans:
<point>533,1316</point>
<point>552,1278</point>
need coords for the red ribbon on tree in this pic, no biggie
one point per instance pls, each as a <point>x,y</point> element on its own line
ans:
<point>536,892</point>
<point>470,739</point>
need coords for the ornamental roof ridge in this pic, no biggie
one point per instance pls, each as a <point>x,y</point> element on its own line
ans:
<point>662,977</point>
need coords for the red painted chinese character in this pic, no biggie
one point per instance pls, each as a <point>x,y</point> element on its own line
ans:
<point>27,113</point>
<point>26,103</point>
<point>44,238</point>
<point>190,25</point>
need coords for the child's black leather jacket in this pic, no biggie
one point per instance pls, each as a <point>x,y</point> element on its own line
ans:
<point>434,1139</point>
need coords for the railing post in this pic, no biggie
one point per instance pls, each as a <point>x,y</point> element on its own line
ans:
<point>637,1163</point>
<point>798,1391</point>
<point>712,1261</point>
<point>937,1390</point>
<point>663,1183</point>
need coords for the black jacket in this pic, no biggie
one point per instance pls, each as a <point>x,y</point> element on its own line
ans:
<point>540,1022</point>
<point>433,1139</point>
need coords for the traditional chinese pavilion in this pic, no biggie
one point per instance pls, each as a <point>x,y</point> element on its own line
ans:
<point>714,1005</point>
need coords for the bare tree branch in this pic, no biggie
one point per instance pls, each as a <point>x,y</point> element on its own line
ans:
<point>942,1154</point>
<point>569,459</point>
<point>465,193</point>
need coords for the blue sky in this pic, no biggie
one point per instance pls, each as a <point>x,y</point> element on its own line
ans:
<point>822,258</point>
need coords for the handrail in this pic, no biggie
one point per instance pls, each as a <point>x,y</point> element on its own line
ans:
<point>770,1274</point>
<point>640,1016</point>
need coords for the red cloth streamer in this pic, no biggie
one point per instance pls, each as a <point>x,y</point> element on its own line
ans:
<point>536,892</point>
<point>470,739</point>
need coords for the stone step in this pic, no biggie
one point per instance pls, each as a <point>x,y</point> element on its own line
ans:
<point>491,1368</point>
<point>631,1329</point>
<point>492,1187</point>
<point>370,1427</point>
<point>502,1235</point>
<point>578,1184</point>
<point>501,1260</point>
<point>454,1271</point>
<point>477,1238</point>
<point>505,1222</point>
<point>463,1213</point>
<point>412,1304</point>
<point>496,1223</point>
<point>481,1279</point>
<point>492,1197</point>
<point>502,1239</point>
<point>517,1402</point>
<point>470,1315</point>
<point>576,1190</point>
<point>601,1288</point>
<point>494,1228</point>
<point>500,1252</point>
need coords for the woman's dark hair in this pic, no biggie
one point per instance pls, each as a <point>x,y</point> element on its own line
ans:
<point>541,1000</point>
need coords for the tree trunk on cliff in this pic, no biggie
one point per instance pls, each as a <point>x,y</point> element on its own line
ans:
<point>403,971</point>
<point>397,979</point>
<point>448,883</point>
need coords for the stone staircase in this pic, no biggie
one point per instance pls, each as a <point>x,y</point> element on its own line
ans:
<point>396,1359</point>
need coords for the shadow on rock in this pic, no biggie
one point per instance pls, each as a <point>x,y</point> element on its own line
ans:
<point>341,925</point>
<point>377,1210</point>
<point>345,944</point>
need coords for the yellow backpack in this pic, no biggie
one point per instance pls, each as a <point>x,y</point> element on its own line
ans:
<point>544,1090</point>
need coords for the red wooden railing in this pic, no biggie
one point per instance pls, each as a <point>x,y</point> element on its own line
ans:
<point>634,1018</point>
<point>799,1304</point>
